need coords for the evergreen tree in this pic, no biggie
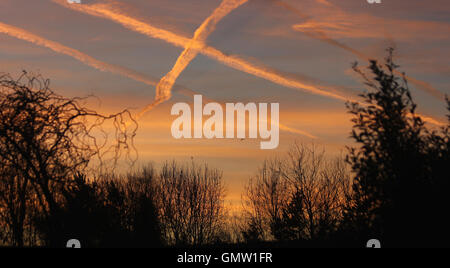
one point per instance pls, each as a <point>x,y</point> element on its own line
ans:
<point>401,166</point>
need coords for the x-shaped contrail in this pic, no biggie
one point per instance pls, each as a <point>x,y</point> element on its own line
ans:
<point>164,87</point>
<point>105,11</point>
<point>103,66</point>
<point>193,44</point>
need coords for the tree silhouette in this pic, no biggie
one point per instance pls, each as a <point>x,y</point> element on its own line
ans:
<point>300,198</point>
<point>401,167</point>
<point>111,212</point>
<point>45,140</point>
<point>190,204</point>
<point>49,192</point>
<point>264,198</point>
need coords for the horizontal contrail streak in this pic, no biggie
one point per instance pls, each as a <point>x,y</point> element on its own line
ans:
<point>164,87</point>
<point>105,11</point>
<point>296,131</point>
<point>90,61</point>
<point>86,59</point>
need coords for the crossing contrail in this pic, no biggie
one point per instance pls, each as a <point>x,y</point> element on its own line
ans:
<point>107,12</point>
<point>164,87</point>
<point>84,58</point>
<point>99,65</point>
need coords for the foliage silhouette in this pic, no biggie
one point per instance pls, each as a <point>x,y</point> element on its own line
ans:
<point>402,179</point>
<point>109,212</point>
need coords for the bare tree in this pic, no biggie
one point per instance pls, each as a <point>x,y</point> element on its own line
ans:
<point>190,204</point>
<point>45,139</point>
<point>14,207</point>
<point>265,197</point>
<point>320,187</point>
<point>300,198</point>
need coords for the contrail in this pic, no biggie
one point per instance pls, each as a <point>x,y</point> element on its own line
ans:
<point>164,87</point>
<point>86,59</point>
<point>323,37</point>
<point>315,30</point>
<point>296,131</point>
<point>105,11</point>
<point>99,65</point>
<point>324,2</point>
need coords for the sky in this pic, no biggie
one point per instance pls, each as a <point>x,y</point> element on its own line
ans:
<point>146,56</point>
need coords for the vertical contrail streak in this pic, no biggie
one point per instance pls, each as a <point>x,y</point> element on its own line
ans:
<point>105,11</point>
<point>164,87</point>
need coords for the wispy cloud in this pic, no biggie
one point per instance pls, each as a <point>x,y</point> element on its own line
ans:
<point>342,25</point>
<point>334,21</point>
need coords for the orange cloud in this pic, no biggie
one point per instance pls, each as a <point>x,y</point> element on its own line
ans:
<point>340,24</point>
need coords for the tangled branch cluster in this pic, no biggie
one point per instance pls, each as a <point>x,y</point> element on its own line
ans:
<point>36,124</point>
<point>46,140</point>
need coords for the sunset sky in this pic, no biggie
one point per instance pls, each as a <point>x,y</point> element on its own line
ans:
<point>294,52</point>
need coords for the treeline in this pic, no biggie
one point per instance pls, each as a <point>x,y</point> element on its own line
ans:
<point>178,205</point>
<point>393,185</point>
